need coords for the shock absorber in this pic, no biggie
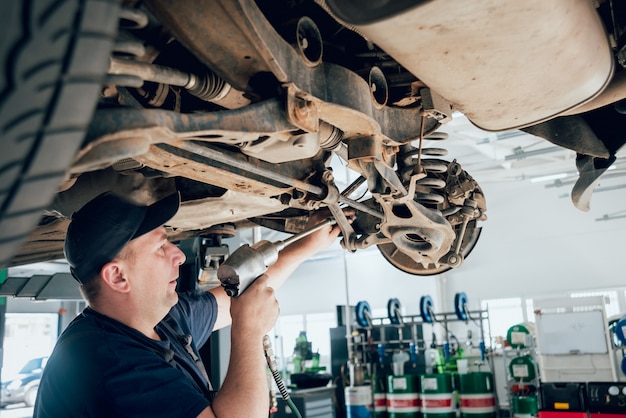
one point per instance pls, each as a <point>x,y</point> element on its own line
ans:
<point>431,176</point>
<point>131,66</point>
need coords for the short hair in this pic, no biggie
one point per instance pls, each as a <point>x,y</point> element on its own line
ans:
<point>92,289</point>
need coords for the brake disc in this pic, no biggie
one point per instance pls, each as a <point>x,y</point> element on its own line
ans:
<point>456,195</point>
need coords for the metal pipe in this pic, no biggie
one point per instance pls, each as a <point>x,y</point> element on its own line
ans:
<point>350,345</point>
<point>523,154</point>
<point>353,186</point>
<point>362,207</point>
<point>150,72</point>
<point>224,158</point>
<point>215,155</point>
<point>208,87</point>
<point>282,244</point>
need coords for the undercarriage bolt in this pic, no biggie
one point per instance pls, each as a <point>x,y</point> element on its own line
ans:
<point>452,259</point>
<point>469,208</point>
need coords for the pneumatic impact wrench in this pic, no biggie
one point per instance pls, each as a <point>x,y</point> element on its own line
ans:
<point>248,262</point>
<point>242,268</point>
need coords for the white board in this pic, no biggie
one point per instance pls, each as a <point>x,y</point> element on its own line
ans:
<point>572,333</point>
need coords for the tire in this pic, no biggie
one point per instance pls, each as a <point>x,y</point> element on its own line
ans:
<point>54,55</point>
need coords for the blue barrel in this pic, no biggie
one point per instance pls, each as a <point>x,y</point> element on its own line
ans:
<point>358,401</point>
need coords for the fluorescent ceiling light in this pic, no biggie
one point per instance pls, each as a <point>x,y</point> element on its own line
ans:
<point>549,177</point>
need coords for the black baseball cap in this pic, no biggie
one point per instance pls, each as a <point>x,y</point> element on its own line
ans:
<point>99,230</point>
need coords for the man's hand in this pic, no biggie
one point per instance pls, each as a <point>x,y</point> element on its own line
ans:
<point>244,392</point>
<point>323,238</point>
<point>255,311</point>
<point>297,252</point>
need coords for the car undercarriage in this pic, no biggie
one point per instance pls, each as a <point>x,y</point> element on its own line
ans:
<point>248,109</point>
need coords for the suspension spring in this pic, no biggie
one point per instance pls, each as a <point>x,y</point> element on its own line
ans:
<point>130,19</point>
<point>128,49</point>
<point>410,163</point>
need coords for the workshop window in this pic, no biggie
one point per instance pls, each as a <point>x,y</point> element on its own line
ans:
<point>503,314</point>
<point>316,326</point>
<point>286,331</point>
<point>530,311</point>
<point>27,336</point>
<point>611,306</point>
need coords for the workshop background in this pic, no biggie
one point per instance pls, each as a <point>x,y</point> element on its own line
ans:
<point>536,252</point>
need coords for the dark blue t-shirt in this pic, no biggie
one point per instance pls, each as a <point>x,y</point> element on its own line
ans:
<point>103,368</point>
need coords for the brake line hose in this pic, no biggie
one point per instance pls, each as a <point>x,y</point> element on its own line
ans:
<point>271,363</point>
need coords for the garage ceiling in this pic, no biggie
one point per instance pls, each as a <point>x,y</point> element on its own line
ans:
<point>515,157</point>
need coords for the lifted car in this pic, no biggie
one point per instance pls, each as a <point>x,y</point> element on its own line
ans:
<point>244,107</point>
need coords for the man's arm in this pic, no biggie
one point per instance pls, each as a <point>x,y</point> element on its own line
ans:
<point>292,256</point>
<point>223,308</point>
<point>245,391</point>
<point>288,261</point>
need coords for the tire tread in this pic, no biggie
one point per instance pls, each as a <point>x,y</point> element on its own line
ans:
<point>47,103</point>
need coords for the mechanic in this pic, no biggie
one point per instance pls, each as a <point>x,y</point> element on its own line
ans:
<point>133,351</point>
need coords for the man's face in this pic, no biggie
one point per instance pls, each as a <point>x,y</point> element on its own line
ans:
<point>153,268</point>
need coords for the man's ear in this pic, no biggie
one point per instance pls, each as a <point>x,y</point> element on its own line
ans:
<point>113,275</point>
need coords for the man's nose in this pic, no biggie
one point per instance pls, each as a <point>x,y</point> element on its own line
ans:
<point>179,256</point>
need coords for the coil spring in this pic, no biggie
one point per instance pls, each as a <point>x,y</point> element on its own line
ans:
<point>132,69</point>
<point>133,18</point>
<point>130,19</point>
<point>427,186</point>
<point>330,136</point>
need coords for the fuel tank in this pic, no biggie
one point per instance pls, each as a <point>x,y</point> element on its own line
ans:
<point>505,64</point>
